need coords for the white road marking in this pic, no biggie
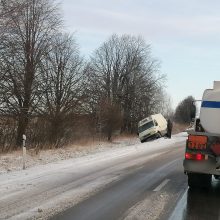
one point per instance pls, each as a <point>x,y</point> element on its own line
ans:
<point>158,188</point>
<point>180,208</point>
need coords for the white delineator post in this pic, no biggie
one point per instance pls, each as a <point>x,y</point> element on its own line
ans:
<point>24,150</point>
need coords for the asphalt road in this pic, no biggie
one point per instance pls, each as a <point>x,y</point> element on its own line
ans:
<point>145,185</point>
<point>134,185</point>
<point>156,189</point>
<point>199,204</point>
<point>111,184</point>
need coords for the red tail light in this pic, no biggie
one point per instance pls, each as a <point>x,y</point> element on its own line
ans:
<point>198,156</point>
<point>188,156</point>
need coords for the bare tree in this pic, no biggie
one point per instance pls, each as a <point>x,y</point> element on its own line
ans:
<point>163,104</point>
<point>61,85</point>
<point>123,72</point>
<point>110,118</point>
<point>185,111</point>
<point>27,36</point>
<point>15,6</point>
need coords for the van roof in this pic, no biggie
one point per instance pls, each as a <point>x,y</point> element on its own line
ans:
<point>150,118</point>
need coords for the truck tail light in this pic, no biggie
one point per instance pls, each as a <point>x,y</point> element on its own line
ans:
<point>200,157</point>
<point>190,156</point>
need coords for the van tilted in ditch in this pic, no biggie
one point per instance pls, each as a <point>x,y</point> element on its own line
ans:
<point>154,126</point>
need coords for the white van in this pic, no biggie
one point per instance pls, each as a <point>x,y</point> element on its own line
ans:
<point>152,126</point>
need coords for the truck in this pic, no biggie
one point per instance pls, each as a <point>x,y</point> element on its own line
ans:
<point>202,152</point>
<point>154,126</point>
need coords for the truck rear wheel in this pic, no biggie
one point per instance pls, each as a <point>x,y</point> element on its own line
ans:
<point>197,180</point>
<point>217,177</point>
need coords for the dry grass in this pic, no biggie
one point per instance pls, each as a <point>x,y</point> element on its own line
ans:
<point>13,160</point>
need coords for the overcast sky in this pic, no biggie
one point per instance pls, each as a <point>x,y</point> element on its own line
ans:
<point>185,35</point>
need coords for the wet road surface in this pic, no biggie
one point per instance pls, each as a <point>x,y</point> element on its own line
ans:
<point>156,190</point>
<point>160,176</point>
<point>199,204</point>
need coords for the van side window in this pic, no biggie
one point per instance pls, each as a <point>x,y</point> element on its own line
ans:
<point>155,122</point>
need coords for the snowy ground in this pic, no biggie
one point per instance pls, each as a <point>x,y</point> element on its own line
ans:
<point>53,182</point>
<point>13,161</point>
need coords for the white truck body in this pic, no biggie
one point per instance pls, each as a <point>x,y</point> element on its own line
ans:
<point>202,155</point>
<point>154,125</point>
<point>210,109</point>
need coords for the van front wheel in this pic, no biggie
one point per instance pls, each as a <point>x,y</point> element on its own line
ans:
<point>158,135</point>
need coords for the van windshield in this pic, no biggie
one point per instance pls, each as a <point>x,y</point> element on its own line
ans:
<point>146,126</point>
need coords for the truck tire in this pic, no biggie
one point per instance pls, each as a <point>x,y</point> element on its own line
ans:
<point>217,177</point>
<point>198,180</point>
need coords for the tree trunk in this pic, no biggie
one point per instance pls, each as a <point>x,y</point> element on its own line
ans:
<point>109,132</point>
<point>55,130</point>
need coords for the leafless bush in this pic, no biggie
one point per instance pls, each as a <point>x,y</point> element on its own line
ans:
<point>109,118</point>
<point>7,133</point>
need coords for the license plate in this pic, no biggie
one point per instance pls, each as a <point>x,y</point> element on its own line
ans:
<point>197,142</point>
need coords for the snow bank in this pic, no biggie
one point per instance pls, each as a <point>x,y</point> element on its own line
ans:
<point>13,161</point>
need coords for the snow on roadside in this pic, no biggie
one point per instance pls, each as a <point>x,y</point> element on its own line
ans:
<point>45,162</point>
<point>49,175</point>
<point>148,209</point>
<point>13,161</point>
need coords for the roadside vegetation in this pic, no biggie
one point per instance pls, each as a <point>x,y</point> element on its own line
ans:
<point>185,111</point>
<point>184,114</point>
<point>55,96</point>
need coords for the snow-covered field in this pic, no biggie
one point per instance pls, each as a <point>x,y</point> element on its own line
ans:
<point>55,181</point>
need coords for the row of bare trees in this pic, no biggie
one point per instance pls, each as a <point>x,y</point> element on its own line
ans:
<point>47,89</point>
